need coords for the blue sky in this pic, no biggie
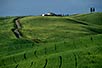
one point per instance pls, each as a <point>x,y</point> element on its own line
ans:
<point>37,7</point>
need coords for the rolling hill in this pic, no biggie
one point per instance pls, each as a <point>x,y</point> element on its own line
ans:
<point>52,41</point>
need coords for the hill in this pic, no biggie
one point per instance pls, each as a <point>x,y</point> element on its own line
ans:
<point>52,42</point>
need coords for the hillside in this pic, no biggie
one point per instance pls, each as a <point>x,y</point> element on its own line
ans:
<point>52,42</point>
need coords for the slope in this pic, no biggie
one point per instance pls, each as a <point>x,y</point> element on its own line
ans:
<point>66,42</point>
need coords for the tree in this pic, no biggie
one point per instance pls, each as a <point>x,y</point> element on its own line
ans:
<point>91,10</point>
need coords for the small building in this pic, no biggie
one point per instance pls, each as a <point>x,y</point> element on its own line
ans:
<point>42,14</point>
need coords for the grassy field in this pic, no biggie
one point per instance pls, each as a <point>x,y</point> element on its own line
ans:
<point>63,42</point>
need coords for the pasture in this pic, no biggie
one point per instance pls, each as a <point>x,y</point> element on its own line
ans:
<point>52,42</point>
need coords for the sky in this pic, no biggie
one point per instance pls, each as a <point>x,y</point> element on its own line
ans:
<point>38,7</point>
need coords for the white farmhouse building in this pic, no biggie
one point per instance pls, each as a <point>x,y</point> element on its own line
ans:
<point>49,14</point>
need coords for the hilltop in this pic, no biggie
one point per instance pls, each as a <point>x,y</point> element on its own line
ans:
<point>52,42</point>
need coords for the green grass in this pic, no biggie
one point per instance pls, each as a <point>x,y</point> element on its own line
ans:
<point>66,42</point>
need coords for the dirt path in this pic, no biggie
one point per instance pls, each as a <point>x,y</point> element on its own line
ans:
<point>17,28</point>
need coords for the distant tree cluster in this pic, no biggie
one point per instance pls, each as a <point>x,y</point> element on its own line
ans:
<point>92,9</point>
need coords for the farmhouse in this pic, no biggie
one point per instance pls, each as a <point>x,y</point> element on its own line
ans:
<point>49,14</point>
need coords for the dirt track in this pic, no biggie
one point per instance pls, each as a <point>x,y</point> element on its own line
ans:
<point>17,28</point>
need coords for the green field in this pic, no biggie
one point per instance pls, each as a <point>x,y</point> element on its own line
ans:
<point>52,42</point>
